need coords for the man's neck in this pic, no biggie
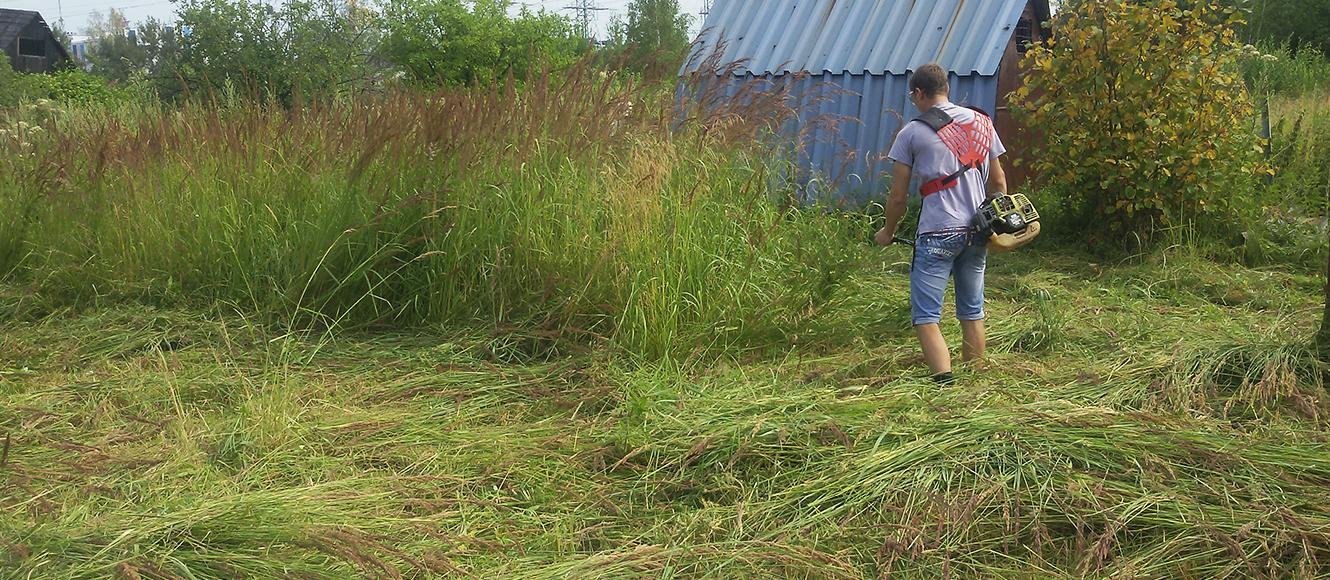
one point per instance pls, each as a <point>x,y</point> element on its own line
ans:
<point>930,102</point>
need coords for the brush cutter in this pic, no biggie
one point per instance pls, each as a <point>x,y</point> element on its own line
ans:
<point>1009,221</point>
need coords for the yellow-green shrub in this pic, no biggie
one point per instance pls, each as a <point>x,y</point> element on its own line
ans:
<point>1143,116</point>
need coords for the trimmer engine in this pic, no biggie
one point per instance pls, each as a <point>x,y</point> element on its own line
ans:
<point>1009,221</point>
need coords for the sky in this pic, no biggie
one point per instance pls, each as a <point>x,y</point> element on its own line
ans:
<point>76,12</point>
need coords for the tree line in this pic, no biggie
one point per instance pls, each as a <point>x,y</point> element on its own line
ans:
<point>328,48</point>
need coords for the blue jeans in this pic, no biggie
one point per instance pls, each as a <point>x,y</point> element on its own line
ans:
<point>942,255</point>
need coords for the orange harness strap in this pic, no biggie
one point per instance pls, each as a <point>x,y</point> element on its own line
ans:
<point>970,142</point>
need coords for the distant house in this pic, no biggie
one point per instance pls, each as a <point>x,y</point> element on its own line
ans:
<point>853,58</point>
<point>29,43</point>
<point>79,46</point>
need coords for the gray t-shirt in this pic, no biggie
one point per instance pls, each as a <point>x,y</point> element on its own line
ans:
<point>918,146</point>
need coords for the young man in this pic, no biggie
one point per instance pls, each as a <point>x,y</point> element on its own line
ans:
<point>948,245</point>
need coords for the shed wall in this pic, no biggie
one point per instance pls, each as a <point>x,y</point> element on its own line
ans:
<point>846,125</point>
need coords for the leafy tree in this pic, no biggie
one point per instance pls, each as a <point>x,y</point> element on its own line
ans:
<point>330,44</point>
<point>111,54</point>
<point>102,25</point>
<point>122,58</point>
<point>61,35</point>
<point>654,37</point>
<point>308,47</point>
<point>235,42</point>
<point>1144,119</point>
<point>447,42</point>
<point>536,39</point>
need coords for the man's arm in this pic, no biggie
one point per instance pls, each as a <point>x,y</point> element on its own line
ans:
<point>997,178</point>
<point>896,202</point>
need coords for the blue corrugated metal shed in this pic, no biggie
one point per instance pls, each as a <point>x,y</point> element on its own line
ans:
<point>858,55</point>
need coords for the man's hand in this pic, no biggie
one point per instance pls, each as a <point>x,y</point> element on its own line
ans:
<point>883,237</point>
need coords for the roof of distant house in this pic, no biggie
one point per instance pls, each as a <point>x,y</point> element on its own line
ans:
<point>14,22</point>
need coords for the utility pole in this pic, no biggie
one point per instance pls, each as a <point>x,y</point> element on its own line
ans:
<point>702,17</point>
<point>582,10</point>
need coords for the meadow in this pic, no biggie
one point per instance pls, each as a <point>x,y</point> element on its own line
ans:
<point>563,329</point>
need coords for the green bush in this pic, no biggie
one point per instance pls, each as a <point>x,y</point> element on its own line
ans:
<point>15,87</point>
<point>67,86</point>
<point>448,42</point>
<point>76,87</point>
<point>1143,139</point>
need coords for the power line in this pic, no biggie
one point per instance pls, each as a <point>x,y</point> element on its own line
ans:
<point>537,4</point>
<point>122,8</point>
<point>582,10</point>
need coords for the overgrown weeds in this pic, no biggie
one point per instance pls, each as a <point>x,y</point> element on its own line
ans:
<point>571,206</point>
<point>1279,69</point>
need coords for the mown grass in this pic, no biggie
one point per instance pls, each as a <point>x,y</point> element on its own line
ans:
<point>1153,418</point>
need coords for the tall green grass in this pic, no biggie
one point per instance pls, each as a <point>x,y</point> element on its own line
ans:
<point>570,208</point>
<point>1278,69</point>
<point>1292,229</point>
<point>1295,85</point>
<point>1301,150</point>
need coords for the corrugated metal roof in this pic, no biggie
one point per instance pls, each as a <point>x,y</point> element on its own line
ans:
<point>858,36</point>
